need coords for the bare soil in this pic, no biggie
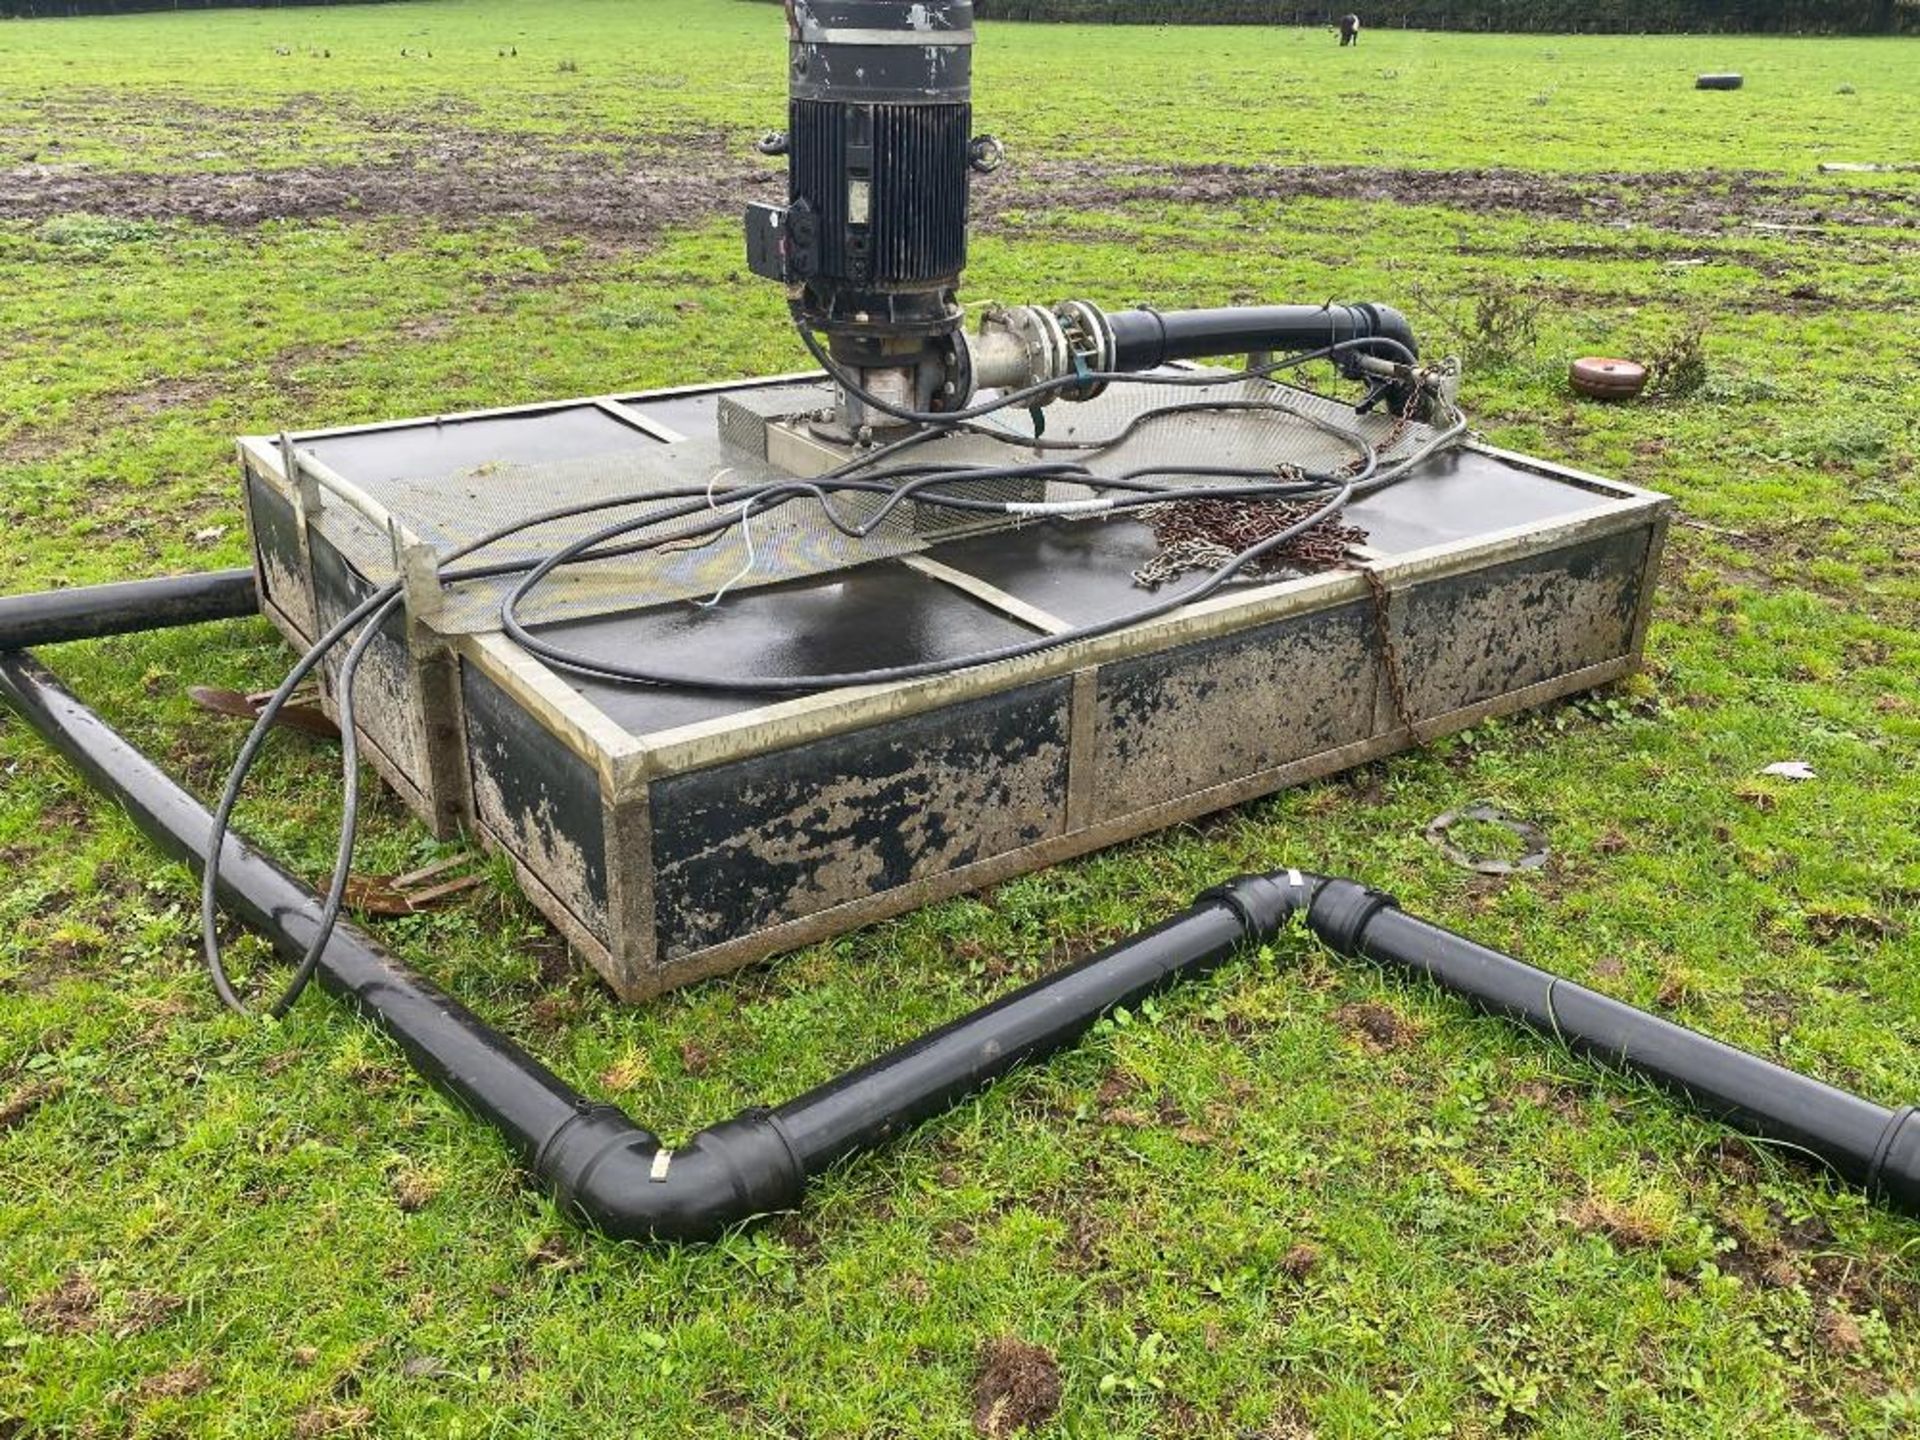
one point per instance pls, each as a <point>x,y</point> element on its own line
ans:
<point>1376,1026</point>
<point>432,165</point>
<point>68,1309</point>
<point>1017,1388</point>
<point>1686,202</point>
<point>451,176</point>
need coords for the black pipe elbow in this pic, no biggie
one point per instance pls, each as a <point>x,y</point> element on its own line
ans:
<point>1265,904</point>
<point>1339,912</point>
<point>1383,322</point>
<point>620,1180</point>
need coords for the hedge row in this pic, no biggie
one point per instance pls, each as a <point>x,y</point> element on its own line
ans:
<point>31,9</point>
<point>1821,16</point>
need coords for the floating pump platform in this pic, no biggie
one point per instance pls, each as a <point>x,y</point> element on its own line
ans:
<point>787,692</point>
<point>674,833</point>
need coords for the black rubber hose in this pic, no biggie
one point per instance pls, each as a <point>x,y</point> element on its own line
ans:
<point>1148,339</point>
<point>93,612</point>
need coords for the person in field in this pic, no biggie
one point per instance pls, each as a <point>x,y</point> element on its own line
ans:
<point>1349,29</point>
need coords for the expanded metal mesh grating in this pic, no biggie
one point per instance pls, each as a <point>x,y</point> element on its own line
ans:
<point>797,540</point>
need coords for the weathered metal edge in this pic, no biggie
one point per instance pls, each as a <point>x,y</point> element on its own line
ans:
<point>582,940</point>
<point>548,407</point>
<point>826,924</point>
<point>1584,479</point>
<point>616,756</point>
<point>245,457</point>
<point>811,717</point>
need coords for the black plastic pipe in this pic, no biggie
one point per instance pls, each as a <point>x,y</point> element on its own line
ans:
<point>1147,339</point>
<point>866,1108</point>
<point>1871,1145</point>
<point>608,1171</point>
<point>446,1042</point>
<point>95,611</point>
<point>619,1178</point>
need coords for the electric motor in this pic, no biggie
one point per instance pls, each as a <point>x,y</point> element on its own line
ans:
<point>880,130</point>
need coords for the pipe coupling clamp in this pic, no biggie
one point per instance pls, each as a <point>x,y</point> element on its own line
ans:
<point>1877,1184</point>
<point>1342,910</point>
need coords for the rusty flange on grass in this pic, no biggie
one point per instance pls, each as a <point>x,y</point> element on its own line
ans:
<point>1530,835</point>
<point>1605,379</point>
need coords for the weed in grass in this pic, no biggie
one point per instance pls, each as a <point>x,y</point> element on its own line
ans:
<point>1679,369</point>
<point>1494,326</point>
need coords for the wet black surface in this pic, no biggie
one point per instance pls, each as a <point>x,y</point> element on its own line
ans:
<point>880,615</point>
<point>1082,571</point>
<point>1079,571</point>
<point>426,452</point>
<point>689,415</point>
<point>1459,495</point>
<point>884,614</point>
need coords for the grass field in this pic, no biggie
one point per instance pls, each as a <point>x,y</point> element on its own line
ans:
<point>1301,1199</point>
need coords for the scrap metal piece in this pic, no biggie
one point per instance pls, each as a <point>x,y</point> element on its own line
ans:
<point>1531,834</point>
<point>300,714</point>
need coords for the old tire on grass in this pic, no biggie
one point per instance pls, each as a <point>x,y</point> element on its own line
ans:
<point>1719,82</point>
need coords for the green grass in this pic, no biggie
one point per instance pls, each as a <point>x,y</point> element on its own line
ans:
<point>1241,1212</point>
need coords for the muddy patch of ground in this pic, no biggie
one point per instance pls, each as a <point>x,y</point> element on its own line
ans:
<point>1684,202</point>
<point>67,1309</point>
<point>1377,1027</point>
<point>434,164</point>
<point>451,176</point>
<point>1017,1388</point>
<point>18,1106</point>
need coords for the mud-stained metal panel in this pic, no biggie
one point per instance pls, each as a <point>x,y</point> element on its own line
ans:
<point>1482,633</point>
<point>744,846</point>
<point>276,540</point>
<point>1171,723</point>
<point>387,708</point>
<point>539,799</point>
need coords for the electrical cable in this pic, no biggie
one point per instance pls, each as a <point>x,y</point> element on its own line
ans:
<point>582,665</point>
<point>920,483</point>
<point>1368,479</point>
<point>371,613</point>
